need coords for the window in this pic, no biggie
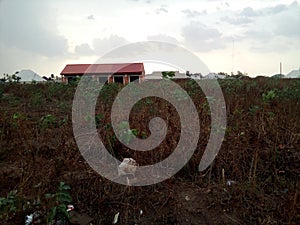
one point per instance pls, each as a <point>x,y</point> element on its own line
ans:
<point>119,79</point>
<point>133,78</point>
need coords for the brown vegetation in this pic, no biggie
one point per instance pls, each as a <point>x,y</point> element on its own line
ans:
<point>260,153</point>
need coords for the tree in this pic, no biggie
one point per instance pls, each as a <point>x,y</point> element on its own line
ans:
<point>3,79</point>
<point>239,75</point>
<point>16,78</point>
<point>11,78</point>
<point>168,74</point>
<point>224,74</point>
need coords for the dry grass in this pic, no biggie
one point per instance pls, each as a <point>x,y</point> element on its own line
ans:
<point>260,153</point>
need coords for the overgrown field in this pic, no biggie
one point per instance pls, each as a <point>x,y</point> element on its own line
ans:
<point>255,178</point>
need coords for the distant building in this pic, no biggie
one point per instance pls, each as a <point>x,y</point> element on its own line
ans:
<point>28,76</point>
<point>293,74</point>
<point>196,76</point>
<point>214,76</point>
<point>157,75</point>
<point>178,75</point>
<point>112,73</point>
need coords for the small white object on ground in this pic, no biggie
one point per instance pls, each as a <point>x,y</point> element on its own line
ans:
<point>29,219</point>
<point>187,198</point>
<point>116,218</point>
<point>70,208</point>
<point>230,182</point>
<point>127,167</point>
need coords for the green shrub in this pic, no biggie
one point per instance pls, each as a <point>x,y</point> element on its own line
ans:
<point>269,96</point>
<point>48,121</point>
<point>8,204</point>
<point>58,203</point>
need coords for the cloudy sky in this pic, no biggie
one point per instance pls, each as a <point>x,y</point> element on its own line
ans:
<point>251,36</point>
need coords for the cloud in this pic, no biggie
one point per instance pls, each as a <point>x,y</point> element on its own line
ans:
<point>287,23</point>
<point>276,9</point>
<point>288,27</point>
<point>277,30</point>
<point>236,20</point>
<point>84,49</point>
<point>105,45</point>
<point>147,1</point>
<point>161,10</point>
<point>163,38</point>
<point>193,13</point>
<point>90,17</point>
<point>273,45</point>
<point>249,15</point>
<point>246,16</point>
<point>31,26</point>
<point>249,12</point>
<point>15,59</point>
<point>201,38</point>
<point>258,34</point>
<point>282,21</point>
<point>100,46</point>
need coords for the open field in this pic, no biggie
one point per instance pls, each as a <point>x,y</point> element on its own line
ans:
<point>255,178</point>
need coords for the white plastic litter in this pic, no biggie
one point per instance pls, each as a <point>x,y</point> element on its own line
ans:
<point>29,219</point>
<point>127,167</point>
<point>230,182</point>
<point>116,218</point>
<point>33,218</point>
<point>70,208</point>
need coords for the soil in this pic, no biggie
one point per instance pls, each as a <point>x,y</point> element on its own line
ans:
<point>253,180</point>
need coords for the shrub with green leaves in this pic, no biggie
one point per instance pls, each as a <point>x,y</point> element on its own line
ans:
<point>269,96</point>
<point>168,74</point>
<point>48,121</point>
<point>127,134</point>
<point>8,204</point>
<point>58,203</point>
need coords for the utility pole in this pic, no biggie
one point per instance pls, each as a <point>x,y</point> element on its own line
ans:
<point>280,68</point>
<point>232,59</point>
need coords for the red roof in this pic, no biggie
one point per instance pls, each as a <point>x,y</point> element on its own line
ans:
<point>119,68</point>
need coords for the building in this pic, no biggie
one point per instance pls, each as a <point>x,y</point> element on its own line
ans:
<point>28,76</point>
<point>293,74</point>
<point>112,73</point>
<point>157,75</point>
<point>214,76</point>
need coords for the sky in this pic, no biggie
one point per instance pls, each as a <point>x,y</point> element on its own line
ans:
<point>251,36</point>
